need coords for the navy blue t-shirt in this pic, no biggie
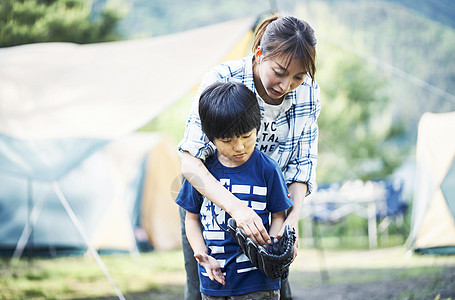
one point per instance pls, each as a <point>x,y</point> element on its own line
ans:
<point>261,185</point>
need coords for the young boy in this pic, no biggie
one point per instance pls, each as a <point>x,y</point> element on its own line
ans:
<point>230,117</point>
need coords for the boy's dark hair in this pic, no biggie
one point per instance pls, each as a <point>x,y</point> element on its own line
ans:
<point>228,109</point>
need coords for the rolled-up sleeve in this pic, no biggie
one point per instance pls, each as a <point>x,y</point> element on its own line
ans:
<point>194,139</point>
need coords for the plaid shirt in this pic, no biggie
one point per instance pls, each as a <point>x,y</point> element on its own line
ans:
<point>297,127</point>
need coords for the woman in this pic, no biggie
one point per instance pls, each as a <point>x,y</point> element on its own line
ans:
<point>281,74</point>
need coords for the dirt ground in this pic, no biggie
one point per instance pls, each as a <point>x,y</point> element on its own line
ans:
<point>394,287</point>
<point>376,274</point>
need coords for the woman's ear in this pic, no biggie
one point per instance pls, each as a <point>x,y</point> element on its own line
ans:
<point>258,54</point>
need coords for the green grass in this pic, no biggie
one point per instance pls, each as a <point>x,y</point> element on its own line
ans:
<point>81,277</point>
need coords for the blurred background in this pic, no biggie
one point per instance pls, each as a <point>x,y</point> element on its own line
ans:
<point>94,97</point>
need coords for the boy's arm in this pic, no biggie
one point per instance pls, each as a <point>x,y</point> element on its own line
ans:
<point>194,235</point>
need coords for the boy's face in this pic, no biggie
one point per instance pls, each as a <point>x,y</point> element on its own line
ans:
<point>233,152</point>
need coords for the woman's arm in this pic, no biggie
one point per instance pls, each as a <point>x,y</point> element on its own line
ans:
<point>277,223</point>
<point>298,191</point>
<point>197,242</point>
<point>203,181</point>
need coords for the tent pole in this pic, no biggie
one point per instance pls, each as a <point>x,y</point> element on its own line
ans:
<point>29,221</point>
<point>32,217</point>
<point>91,249</point>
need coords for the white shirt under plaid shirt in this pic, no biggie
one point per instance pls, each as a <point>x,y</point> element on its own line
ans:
<point>297,127</point>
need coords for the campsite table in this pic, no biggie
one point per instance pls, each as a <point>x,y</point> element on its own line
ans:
<point>333,204</point>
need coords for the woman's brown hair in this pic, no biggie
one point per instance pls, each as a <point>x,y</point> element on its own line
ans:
<point>287,36</point>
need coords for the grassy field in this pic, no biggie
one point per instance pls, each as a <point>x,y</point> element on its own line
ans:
<point>387,273</point>
<point>81,277</point>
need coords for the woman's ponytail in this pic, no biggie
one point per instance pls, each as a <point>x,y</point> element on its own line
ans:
<point>260,29</point>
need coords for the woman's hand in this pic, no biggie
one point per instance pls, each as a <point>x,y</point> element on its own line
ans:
<point>251,224</point>
<point>298,192</point>
<point>295,225</point>
<point>212,267</point>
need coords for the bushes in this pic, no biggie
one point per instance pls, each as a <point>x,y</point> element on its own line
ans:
<point>30,21</point>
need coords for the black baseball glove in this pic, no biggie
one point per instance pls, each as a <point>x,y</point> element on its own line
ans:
<point>274,260</point>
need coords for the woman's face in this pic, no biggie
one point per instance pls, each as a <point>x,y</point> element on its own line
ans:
<point>274,78</point>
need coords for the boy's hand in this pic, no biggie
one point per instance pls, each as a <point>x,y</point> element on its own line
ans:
<point>251,225</point>
<point>212,267</point>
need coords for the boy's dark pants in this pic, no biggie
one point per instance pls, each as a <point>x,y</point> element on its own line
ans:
<point>192,277</point>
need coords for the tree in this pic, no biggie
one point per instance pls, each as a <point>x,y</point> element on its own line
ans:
<point>34,21</point>
<point>358,137</point>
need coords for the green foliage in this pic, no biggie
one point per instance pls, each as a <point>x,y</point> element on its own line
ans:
<point>30,21</point>
<point>356,131</point>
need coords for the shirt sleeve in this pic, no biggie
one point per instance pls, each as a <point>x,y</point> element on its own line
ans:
<point>303,162</point>
<point>189,198</point>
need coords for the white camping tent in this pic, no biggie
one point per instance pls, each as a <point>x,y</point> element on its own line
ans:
<point>433,210</point>
<point>67,117</point>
